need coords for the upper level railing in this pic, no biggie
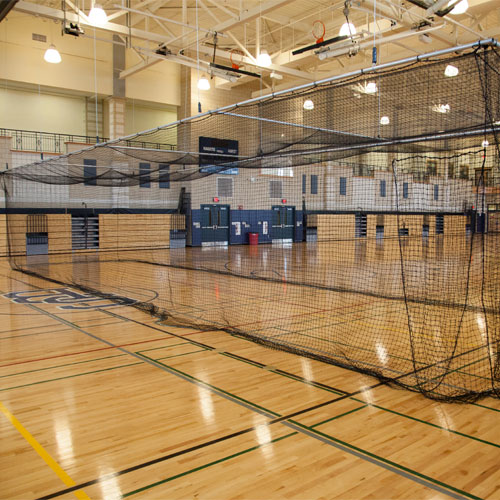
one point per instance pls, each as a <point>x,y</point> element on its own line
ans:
<point>45,142</point>
<point>49,142</point>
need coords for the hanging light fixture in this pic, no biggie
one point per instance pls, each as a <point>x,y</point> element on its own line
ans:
<point>451,71</point>
<point>264,59</point>
<point>441,108</point>
<point>308,104</point>
<point>52,55</point>
<point>460,7</point>
<point>97,16</point>
<point>347,29</point>
<point>203,83</point>
<point>384,120</point>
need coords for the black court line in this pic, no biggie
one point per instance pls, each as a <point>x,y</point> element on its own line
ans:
<point>428,482</point>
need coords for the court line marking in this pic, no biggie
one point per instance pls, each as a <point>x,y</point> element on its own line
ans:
<point>327,388</point>
<point>43,453</point>
<point>279,419</point>
<point>68,376</point>
<point>111,346</point>
<point>60,366</point>
<point>233,399</point>
<point>399,469</point>
<point>205,466</point>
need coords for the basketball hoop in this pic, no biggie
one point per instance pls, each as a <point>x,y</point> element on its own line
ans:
<point>318,31</point>
<point>236,57</point>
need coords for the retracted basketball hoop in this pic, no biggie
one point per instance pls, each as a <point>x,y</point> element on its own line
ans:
<point>236,58</point>
<point>318,31</point>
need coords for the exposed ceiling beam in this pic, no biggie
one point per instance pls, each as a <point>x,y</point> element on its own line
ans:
<point>119,29</point>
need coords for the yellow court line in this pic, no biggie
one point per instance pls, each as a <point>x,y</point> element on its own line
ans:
<point>43,453</point>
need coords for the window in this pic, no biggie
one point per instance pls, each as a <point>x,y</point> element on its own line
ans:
<point>382,189</point>
<point>144,179</point>
<point>314,184</point>
<point>275,189</point>
<point>225,187</point>
<point>90,172</point>
<point>343,186</point>
<point>405,190</point>
<point>436,192</point>
<point>304,184</point>
<point>164,176</point>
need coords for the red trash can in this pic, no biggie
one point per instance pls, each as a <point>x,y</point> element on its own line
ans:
<point>253,238</point>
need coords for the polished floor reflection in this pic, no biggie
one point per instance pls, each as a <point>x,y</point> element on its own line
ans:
<point>421,311</point>
<point>103,401</point>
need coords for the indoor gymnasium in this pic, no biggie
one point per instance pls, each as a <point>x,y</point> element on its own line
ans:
<point>250,249</point>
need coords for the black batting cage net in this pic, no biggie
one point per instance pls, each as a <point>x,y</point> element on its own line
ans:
<point>360,228</point>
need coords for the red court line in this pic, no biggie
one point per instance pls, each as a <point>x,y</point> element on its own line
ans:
<point>82,352</point>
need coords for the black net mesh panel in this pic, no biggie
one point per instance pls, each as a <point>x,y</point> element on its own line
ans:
<point>377,215</point>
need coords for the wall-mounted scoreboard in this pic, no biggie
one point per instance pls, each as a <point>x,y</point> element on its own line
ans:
<point>216,155</point>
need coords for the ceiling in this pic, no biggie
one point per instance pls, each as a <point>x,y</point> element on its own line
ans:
<point>186,29</point>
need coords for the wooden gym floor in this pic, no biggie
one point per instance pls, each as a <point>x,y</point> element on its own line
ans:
<point>103,401</point>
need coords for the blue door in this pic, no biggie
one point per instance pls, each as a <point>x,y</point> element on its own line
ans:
<point>215,224</point>
<point>283,223</point>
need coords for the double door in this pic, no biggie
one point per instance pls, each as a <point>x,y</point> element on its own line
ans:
<point>283,223</point>
<point>215,224</point>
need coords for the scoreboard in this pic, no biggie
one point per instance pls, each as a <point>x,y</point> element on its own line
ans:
<point>216,155</point>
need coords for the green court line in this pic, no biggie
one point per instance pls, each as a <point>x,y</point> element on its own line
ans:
<point>336,417</point>
<point>428,423</point>
<point>205,466</point>
<point>69,376</point>
<point>389,462</point>
<point>250,403</point>
<point>368,404</point>
<point>183,354</point>
<point>291,376</point>
<point>60,366</point>
<point>487,407</point>
<point>319,433</point>
<point>164,347</point>
<point>13,337</point>
<point>313,431</point>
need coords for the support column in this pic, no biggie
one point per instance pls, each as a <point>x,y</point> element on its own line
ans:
<point>5,153</point>
<point>116,117</point>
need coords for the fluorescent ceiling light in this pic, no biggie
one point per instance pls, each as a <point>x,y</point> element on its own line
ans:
<point>451,70</point>
<point>203,83</point>
<point>460,7</point>
<point>441,108</point>
<point>351,50</point>
<point>97,16</point>
<point>384,120</point>
<point>52,55</point>
<point>226,75</point>
<point>264,59</point>
<point>347,29</point>
<point>308,104</point>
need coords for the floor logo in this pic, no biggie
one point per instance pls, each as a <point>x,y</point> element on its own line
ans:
<point>67,298</point>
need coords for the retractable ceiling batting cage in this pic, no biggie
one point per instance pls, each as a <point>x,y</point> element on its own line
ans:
<point>375,204</point>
